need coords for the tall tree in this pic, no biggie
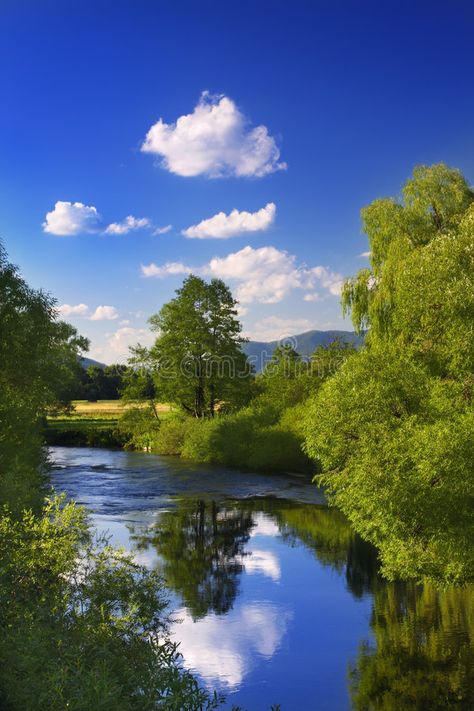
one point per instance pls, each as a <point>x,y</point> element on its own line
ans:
<point>38,360</point>
<point>197,355</point>
<point>393,428</point>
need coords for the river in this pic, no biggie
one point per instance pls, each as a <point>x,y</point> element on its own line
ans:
<point>276,599</point>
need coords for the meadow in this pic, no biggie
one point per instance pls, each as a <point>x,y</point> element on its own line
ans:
<point>93,424</point>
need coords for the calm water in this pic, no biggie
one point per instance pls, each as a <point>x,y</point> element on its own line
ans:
<point>277,599</point>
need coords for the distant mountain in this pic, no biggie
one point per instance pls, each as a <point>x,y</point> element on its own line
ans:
<point>305,343</point>
<point>87,362</point>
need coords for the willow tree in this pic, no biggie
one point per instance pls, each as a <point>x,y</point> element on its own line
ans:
<point>393,428</point>
<point>198,359</point>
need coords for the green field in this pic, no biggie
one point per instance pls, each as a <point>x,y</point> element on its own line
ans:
<point>91,424</point>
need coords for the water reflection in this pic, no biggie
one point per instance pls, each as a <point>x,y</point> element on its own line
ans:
<point>201,546</point>
<point>278,597</point>
<point>422,656</point>
<point>223,650</point>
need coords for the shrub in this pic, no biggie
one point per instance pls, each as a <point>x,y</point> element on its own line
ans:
<point>82,625</point>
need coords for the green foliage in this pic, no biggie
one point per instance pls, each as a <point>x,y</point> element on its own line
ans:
<point>139,427</point>
<point>85,432</point>
<point>38,356</point>
<point>197,357</point>
<point>393,428</point>
<point>82,624</point>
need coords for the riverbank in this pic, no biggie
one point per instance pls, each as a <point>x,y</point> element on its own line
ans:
<point>249,439</point>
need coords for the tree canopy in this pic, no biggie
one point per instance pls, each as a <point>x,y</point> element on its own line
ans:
<point>197,354</point>
<point>39,361</point>
<point>393,428</point>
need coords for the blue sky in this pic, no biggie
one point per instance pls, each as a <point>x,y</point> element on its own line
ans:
<point>350,95</point>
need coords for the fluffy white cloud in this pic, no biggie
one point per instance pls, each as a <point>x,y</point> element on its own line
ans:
<point>104,313</point>
<point>73,309</point>
<point>170,268</point>
<point>223,649</point>
<point>214,140</point>
<point>274,328</point>
<point>71,218</point>
<point>264,562</point>
<point>332,281</point>
<point>127,225</point>
<point>119,342</point>
<point>162,230</point>
<point>312,296</point>
<point>222,226</point>
<point>265,275</point>
<point>365,255</point>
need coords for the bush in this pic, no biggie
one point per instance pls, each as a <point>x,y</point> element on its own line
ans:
<point>246,439</point>
<point>82,625</point>
<point>139,427</point>
<point>172,433</point>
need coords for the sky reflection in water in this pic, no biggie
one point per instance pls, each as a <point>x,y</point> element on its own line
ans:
<point>278,600</point>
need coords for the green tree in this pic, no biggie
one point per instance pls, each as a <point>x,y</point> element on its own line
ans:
<point>197,355</point>
<point>38,364</point>
<point>393,428</point>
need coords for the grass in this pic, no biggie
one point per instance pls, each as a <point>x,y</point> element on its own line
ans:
<point>105,409</point>
<point>92,424</point>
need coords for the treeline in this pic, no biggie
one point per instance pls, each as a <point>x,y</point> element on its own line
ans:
<point>96,383</point>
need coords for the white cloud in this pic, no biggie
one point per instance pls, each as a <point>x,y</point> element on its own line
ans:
<point>265,275</point>
<point>104,313</point>
<point>170,268</point>
<point>119,342</point>
<point>264,525</point>
<point>223,649</point>
<point>274,328</point>
<point>73,309</point>
<point>162,230</point>
<point>71,218</point>
<point>214,140</point>
<point>312,296</point>
<point>332,281</point>
<point>264,562</point>
<point>365,255</point>
<point>127,225</point>
<point>222,226</point>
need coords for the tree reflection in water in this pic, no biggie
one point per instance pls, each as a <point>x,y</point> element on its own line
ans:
<point>201,546</point>
<point>421,656</point>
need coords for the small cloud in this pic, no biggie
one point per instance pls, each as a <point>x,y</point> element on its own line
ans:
<point>274,328</point>
<point>119,342</point>
<point>170,268</point>
<point>73,309</point>
<point>366,255</point>
<point>125,322</point>
<point>223,226</point>
<point>162,230</point>
<point>216,140</point>
<point>104,313</point>
<point>129,224</point>
<point>71,218</point>
<point>312,296</point>
<point>332,281</point>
